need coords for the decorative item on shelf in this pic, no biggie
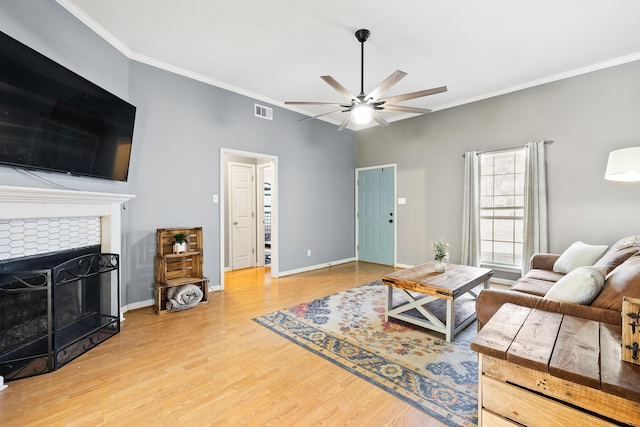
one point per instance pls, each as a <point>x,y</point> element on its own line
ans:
<point>180,244</point>
<point>183,297</point>
<point>440,254</point>
<point>631,330</point>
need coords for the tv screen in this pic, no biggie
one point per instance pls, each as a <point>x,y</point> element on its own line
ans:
<point>55,120</point>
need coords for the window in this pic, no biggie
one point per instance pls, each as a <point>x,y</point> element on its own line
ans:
<point>502,207</point>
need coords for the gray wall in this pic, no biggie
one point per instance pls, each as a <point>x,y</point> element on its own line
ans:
<point>181,125</point>
<point>587,116</point>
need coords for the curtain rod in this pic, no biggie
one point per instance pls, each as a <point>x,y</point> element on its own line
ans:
<point>546,142</point>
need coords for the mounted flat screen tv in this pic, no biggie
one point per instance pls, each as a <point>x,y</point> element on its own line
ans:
<point>54,120</point>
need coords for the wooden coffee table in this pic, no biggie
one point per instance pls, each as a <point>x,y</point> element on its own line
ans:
<point>421,285</point>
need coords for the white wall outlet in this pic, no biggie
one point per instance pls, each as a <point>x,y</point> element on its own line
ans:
<point>215,198</point>
<point>308,252</point>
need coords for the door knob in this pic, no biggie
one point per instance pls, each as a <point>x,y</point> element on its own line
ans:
<point>235,222</point>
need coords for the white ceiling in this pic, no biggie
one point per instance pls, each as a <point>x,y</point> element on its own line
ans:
<point>277,50</point>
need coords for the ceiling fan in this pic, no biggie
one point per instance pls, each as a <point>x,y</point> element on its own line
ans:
<point>364,108</point>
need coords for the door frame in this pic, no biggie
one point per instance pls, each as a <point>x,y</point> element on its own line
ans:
<point>274,208</point>
<point>395,209</point>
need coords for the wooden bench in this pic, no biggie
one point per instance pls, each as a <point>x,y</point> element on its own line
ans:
<point>538,368</point>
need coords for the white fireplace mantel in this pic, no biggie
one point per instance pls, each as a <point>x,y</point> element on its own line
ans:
<point>30,202</point>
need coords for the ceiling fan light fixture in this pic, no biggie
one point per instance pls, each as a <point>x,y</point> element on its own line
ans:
<point>362,113</point>
<point>364,108</point>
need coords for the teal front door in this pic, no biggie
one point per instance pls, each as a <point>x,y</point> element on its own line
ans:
<point>376,215</point>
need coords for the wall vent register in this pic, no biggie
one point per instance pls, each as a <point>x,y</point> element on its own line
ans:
<point>264,112</point>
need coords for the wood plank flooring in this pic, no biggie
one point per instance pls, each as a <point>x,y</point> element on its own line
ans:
<point>213,366</point>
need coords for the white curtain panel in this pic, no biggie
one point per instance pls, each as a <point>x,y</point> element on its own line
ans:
<point>471,211</point>
<point>536,232</point>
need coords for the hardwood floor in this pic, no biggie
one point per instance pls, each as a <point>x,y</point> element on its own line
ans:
<point>213,366</point>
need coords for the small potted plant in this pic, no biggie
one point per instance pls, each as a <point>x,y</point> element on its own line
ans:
<point>440,254</point>
<point>180,243</point>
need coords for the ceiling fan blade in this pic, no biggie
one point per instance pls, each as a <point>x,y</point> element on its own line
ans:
<point>312,103</point>
<point>320,115</point>
<point>383,87</point>
<point>401,109</point>
<point>337,86</point>
<point>345,122</point>
<point>381,121</point>
<point>414,95</point>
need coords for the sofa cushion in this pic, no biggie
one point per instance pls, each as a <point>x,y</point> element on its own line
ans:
<point>577,255</point>
<point>623,281</point>
<point>619,252</point>
<point>579,286</point>
<point>531,286</point>
<point>543,261</point>
<point>548,275</point>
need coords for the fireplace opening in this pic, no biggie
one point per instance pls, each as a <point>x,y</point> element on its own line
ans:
<point>55,307</point>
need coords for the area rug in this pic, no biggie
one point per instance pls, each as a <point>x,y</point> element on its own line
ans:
<point>417,366</point>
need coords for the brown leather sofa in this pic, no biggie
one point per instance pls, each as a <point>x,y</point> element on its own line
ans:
<point>623,279</point>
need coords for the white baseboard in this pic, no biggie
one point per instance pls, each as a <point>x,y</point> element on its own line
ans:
<point>2,384</point>
<point>212,288</point>
<point>315,267</point>
<point>136,305</point>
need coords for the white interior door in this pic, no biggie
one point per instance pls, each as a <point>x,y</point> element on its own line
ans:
<point>243,215</point>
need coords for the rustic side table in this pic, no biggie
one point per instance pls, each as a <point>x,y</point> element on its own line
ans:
<point>538,368</point>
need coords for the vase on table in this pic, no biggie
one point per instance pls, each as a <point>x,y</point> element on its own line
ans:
<point>440,254</point>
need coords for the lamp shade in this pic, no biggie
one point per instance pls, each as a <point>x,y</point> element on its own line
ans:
<point>624,165</point>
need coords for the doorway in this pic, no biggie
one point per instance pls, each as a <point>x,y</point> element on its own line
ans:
<point>376,222</point>
<point>248,213</point>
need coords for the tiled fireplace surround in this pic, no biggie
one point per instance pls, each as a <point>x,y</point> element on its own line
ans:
<point>38,214</point>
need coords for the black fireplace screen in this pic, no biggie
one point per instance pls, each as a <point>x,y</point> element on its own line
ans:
<point>50,317</point>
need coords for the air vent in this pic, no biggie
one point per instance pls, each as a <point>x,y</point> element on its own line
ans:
<point>264,112</point>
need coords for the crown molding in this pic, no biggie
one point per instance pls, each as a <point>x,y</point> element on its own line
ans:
<point>111,39</point>
<point>550,79</point>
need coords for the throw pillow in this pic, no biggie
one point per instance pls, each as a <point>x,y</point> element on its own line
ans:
<point>577,255</point>
<point>580,286</point>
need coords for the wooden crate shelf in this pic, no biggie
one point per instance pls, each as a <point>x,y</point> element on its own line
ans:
<point>178,269</point>
<point>164,240</point>
<point>189,264</point>
<point>160,291</point>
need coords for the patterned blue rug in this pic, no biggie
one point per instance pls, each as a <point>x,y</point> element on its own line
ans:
<point>418,366</point>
